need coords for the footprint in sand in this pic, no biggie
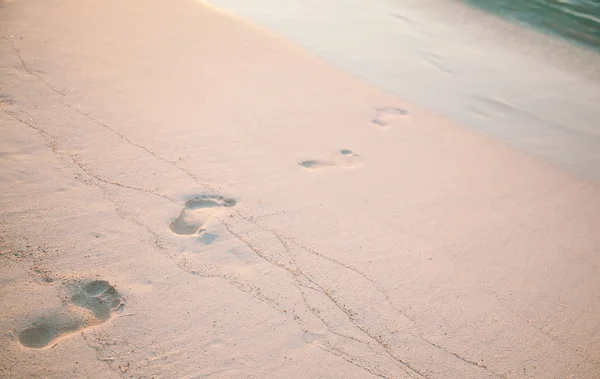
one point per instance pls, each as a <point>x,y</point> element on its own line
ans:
<point>344,158</point>
<point>388,115</point>
<point>98,297</point>
<point>94,303</point>
<point>197,212</point>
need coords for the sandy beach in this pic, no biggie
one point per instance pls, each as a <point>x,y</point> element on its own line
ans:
<point>184,194</point>
<point>533,92</point>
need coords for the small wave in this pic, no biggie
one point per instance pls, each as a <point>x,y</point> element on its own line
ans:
<point>575,20</point>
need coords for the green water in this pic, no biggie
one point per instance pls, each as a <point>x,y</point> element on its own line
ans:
<point>575,20</point>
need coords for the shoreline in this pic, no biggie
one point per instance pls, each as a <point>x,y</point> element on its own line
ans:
<point>462,63</point>
<point>588,38</point>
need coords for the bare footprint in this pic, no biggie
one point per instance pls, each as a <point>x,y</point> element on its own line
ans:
<point>47,329</point>
<point>98,297</point>
<point>387,115</point>
<point>197,212</point>
<point>95,303</point>
<point>314,164</point>
<point>344,158</point>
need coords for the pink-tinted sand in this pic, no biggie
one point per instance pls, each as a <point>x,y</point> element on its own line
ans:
<point>183,194</point>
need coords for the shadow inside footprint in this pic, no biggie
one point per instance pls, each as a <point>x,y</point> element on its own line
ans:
<point>344,158</point>
<point>209,201</point>
<point>196,213</point>
<point>208,238</point>
<point>313,164</point>
<point>98,300</point>
<point>46,329</point>
<point>187,224</point>
<point>386,115</point>
<point>99,297</point>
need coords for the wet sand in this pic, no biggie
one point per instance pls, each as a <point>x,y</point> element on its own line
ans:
<point>534,92</point>
<point>186,195</point>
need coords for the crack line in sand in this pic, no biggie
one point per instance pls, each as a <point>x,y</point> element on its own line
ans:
<point>97,122</point>
<point>320,289</point>
<point>384,345</point>
<point>28,70</point>
<point>49,142</point>
<point>239,286</point>
<point>316,313</point>
<point>295,272</point>
<point>98,350</point>
<point>345,357</point>
<point>129,141</point>
<point>47,137</point>
<point>100,179</point>
<point>299,272</point>
<point>342,264</point>
<point>364,329</point>
<point>343,309</point>
<point>562,344</point>
<point>328,295</point>
<point>309,250</point>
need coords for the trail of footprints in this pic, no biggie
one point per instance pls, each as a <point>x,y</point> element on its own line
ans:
<point>344,158</point>
<point>91,303</point>
<point>372,346</point>
<point>94,302</point>
<point>384,117</point>
<point>198,211</point>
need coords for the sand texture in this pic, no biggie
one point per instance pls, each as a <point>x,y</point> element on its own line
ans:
<point>185,195</point>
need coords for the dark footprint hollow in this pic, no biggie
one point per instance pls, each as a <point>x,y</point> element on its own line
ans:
<point>393,111</point>
<point>385,113</point>
<point>309,164</point>
<point>38,336</point>
<point>99,297</point>
<point>46,330</point>
<point>208,238</point>
<point>97,287</point>
<point>209,201</point>
<point>96,296</point>
<point>191,219</point>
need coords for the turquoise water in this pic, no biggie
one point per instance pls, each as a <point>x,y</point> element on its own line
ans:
<point>575,20</point>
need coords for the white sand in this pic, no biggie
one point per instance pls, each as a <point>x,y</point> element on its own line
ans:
<point>424,251</point>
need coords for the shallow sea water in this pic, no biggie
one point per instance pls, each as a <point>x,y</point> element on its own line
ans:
<point>575,20</point>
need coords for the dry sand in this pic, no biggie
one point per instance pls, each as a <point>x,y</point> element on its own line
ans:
<point>186,195</point>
